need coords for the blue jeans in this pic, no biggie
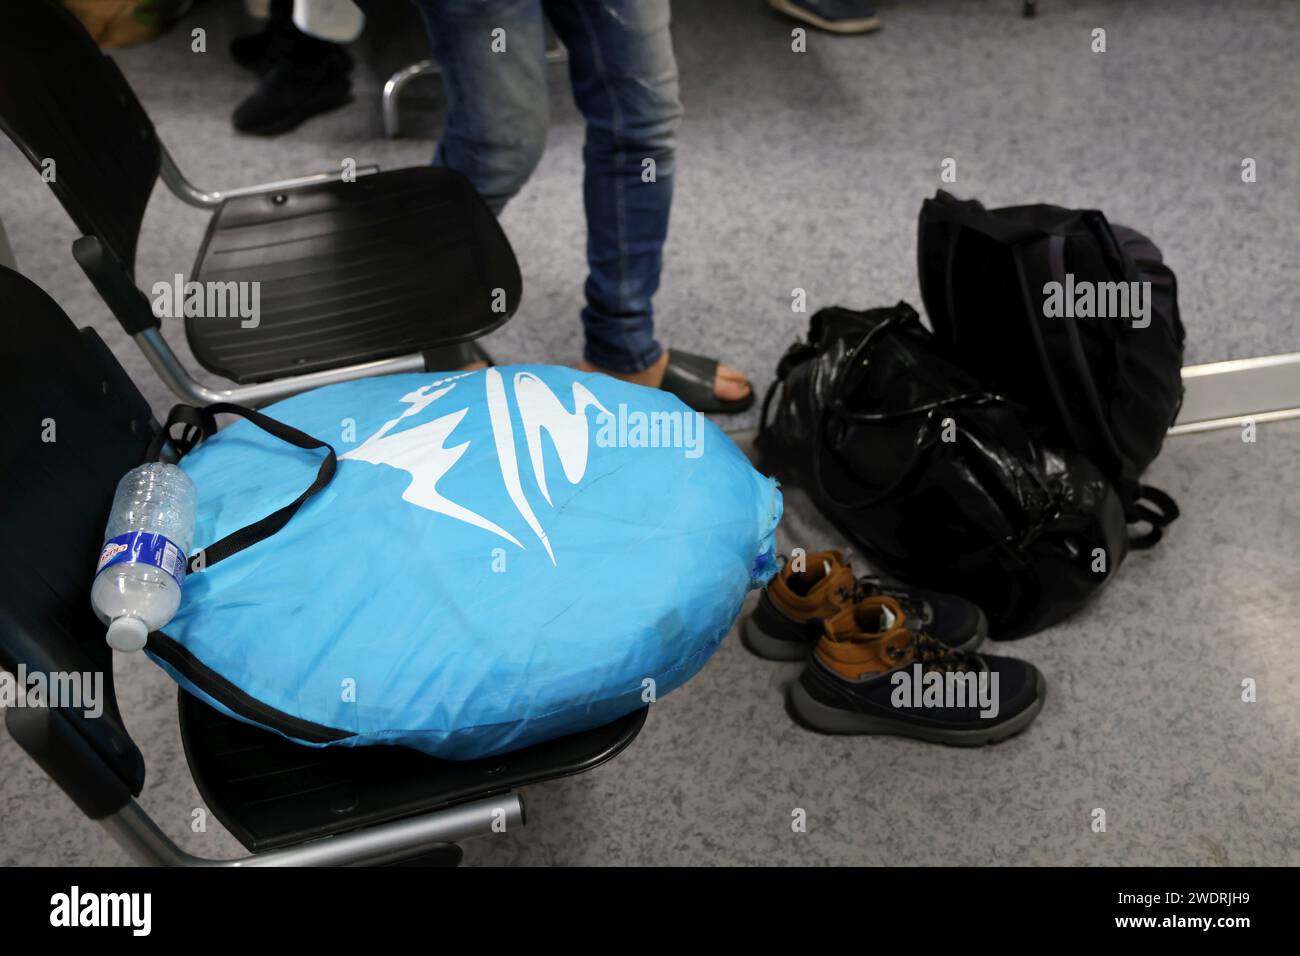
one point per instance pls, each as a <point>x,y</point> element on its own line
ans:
<point>624,78</point>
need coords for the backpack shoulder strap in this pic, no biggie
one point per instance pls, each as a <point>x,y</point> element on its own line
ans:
<point>1159,517</point>
<point>940,226</point>
<point>1032,263</point>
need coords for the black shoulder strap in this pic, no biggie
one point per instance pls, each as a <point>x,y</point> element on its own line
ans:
<point>196,424</point>
<point>1160,517</point>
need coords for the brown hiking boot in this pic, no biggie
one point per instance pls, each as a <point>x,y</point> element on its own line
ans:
<point>791,609</point>
<point>788,619</point>
<point>872,674</point>
<point>870,637</point>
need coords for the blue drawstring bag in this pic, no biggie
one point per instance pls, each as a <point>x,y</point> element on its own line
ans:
<point>501,557</point>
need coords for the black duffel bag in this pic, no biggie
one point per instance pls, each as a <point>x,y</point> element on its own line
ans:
<point>936,478</point>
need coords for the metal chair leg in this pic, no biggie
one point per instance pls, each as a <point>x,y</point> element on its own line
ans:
<point>555,53</point>
<point>386,844</point>
<point>394,87</point>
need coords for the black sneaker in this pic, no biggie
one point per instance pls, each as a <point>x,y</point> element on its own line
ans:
<point>791,610</point>
<point>254,51</point>
<point>870,674</point>
<point>289,93</point>
<point>947,618</point>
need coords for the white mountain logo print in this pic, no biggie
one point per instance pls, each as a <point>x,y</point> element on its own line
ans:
<point>423,452</point>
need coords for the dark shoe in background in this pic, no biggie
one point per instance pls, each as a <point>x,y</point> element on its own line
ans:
<point>286,96</point>
<point>258,51</point>
<point>299,76</point>
<point>305,77</point>
<point>253,51</point>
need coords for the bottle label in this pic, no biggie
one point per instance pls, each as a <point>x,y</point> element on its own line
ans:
<point>142,547</point>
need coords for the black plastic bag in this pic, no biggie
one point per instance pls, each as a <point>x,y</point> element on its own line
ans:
<point>938,480</point>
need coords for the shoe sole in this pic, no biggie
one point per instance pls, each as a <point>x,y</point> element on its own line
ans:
<point>861,25</point>
<point>817,716</point>
<point>762,644</point>
<point>771,648</point>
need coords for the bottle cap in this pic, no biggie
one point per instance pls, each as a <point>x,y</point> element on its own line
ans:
<point>127,634</point>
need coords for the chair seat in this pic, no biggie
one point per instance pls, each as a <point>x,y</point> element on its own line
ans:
<point>391,264</point>
<point>270,792</point>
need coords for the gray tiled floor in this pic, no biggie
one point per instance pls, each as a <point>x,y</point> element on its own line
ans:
<point>808,172</point>
<point>1143,719</point>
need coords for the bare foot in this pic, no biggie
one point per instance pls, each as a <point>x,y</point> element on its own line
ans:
<point>729,385</point>
<point>472,367</point>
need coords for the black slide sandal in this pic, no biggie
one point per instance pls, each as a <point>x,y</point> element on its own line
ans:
<point>449,358</point>
<point>690,378</point>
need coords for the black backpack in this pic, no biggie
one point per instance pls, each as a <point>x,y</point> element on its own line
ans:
<point>1106,385</point>
<point>939,480</point>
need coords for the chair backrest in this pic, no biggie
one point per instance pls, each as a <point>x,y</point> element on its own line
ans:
<point>71,424</point>
<point>64,100</point>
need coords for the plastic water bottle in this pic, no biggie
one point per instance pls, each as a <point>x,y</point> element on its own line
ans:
<point>137,586</point>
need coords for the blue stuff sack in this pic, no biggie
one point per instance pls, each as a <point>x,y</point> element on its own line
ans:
<point>503,557</point>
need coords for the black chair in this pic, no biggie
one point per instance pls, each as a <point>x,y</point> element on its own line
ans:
<point>71,424</point>
<point>358,275</point>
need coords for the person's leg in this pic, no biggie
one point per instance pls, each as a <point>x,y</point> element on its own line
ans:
<point>625,83</point>
<point>624,77</point>
<point>496,90</point>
